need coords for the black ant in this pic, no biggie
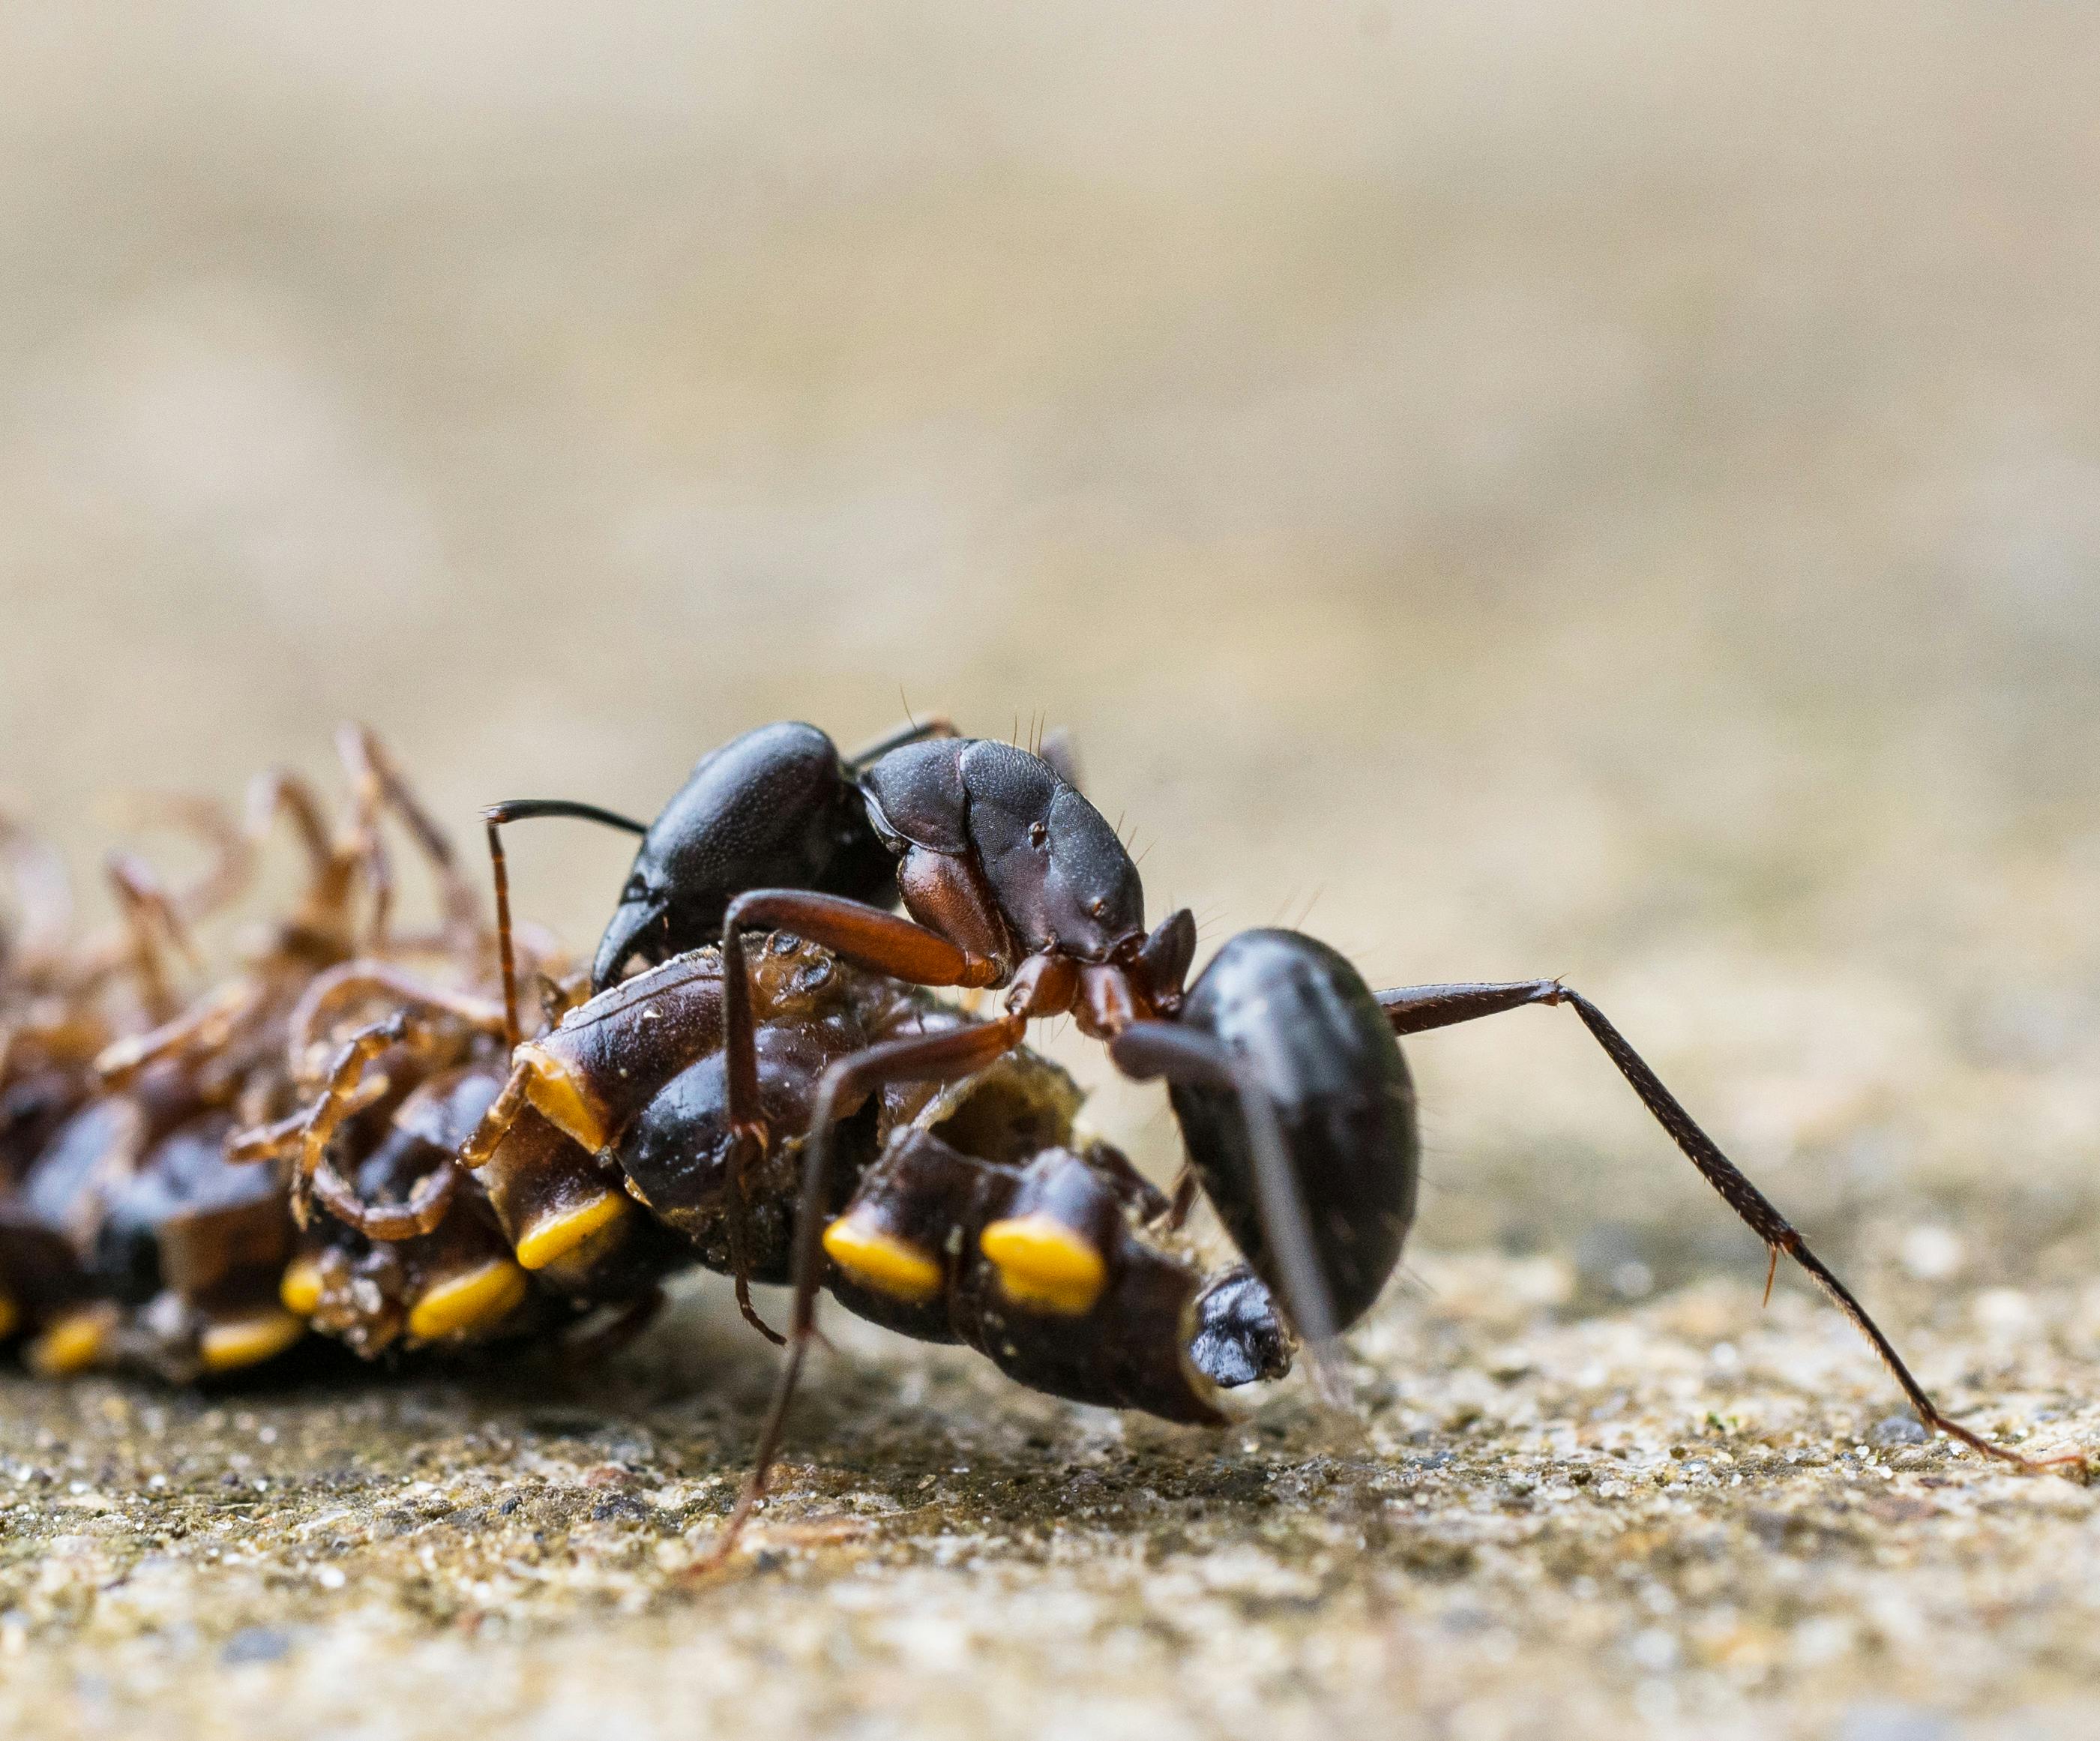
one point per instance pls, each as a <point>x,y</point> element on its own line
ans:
<point>1284,1067</point>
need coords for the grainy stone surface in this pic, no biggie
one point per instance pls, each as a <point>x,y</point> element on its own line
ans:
<point>1602,489</point>
<point>1687,1511</point>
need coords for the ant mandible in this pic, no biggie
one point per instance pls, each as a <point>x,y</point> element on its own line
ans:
<point>1283,1066</point>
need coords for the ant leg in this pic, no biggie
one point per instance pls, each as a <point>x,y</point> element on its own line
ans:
<point>1416,1009</point>
<point>865,935</point>
<point>942,1057</point>
<point>521,810</point>
<point>911,732</point>
<point>1145,1050</point>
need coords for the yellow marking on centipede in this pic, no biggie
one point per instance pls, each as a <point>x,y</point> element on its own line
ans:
<point>74,1343</point>
<point>553,1091</point>
<point>557,1235</point>
<point>236,1342</point>
<point>882,1261</point>
<point>301,1289</point>
<point>471,1300</point>
<point>1042,1262</point>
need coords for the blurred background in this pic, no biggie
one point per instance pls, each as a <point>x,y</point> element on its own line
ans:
<point>1599,489</point>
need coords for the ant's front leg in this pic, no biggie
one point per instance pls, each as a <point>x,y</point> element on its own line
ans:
<point>865,935</point>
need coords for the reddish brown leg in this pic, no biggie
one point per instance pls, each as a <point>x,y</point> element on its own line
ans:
<point>319,1003</point>
<point>150,918</point>
<point>519,810</point>
<point>371,762</point>
<point>203,1027</point>
<point>928,1057</point>
<point>1416,1009</point>
<point>866,936</point>
<point>861,933</point>
<point>280,789</point>
<point>348,1091</point>
<point>425,1211</point>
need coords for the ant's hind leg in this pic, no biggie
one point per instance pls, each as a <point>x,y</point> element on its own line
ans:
<point>1417,1009</point>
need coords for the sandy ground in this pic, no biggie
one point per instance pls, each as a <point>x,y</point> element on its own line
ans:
<point>1517,488</point>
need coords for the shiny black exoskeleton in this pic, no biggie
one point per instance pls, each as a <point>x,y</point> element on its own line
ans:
<point>990,848</point>
<point>776,807</point>
<point>1314,1043</point>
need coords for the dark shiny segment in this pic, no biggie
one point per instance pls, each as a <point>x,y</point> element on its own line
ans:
<point>774,808</point>
<point>1129,1351</point>
<point>1240,1338</point>
<point>1055,868</point>
<point>1308,1032</point>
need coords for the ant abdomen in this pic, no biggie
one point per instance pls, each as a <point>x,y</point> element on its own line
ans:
<point>1312,1039</point>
